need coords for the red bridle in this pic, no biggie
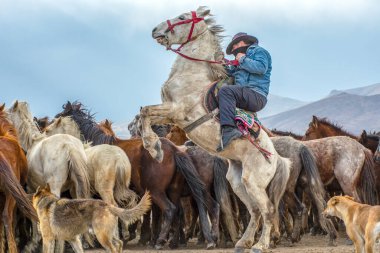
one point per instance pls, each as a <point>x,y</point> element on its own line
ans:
<point>194,19</point>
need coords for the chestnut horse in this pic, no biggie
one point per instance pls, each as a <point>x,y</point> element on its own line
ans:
<point>321,128</point>
<point>13,174</point>
<point>164,180</point>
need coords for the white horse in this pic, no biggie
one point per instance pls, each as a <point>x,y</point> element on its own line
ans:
<point>109,168</point>
<point>250,174</point>
<point>58,160</point>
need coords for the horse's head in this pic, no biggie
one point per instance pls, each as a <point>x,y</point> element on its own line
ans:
<point>106,127</point>
<point>68,109</point>
<point>19,112</point>
<point>313,132</point>
<point>182,28</point>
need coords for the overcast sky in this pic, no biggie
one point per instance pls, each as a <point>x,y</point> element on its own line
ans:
<point>101,52</point>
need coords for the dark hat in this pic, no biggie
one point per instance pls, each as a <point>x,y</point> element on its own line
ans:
<point>239,37</point>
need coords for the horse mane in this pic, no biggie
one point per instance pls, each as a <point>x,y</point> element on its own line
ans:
<point>286,133</point>
<point>27,129</point>
<point>90,130</point>
<point>336,127</point>
<point>217,71</point>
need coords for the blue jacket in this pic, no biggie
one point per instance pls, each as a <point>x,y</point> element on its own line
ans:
<point>254,70</point>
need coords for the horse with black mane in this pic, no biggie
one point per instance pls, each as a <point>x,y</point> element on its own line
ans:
<point>164,180</point>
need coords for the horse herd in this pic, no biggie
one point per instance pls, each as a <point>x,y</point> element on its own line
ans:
<point>81,158</point>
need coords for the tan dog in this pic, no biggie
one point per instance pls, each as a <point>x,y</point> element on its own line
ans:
<point>362,221</point>
<point>65,219</point>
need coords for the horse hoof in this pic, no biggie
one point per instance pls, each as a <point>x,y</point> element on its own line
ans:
<point>239,250</point>
<point>256,251</point>
<point>348,242</point>
<point>158,247</point>
<point>211,245</point>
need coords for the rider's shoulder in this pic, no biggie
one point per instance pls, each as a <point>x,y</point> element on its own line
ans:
<point>256,49</point>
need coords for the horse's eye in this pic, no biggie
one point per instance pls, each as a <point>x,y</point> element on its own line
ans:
<point>181,17</point>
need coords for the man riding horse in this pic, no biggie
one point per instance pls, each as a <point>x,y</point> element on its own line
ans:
<point>251,79</point>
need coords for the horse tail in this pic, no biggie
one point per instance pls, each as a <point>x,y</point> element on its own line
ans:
<point>79,173</point>
<point>14,188</point>
<point>316,189</point>
<point>223,197</point>
<point>131,215</point>
<point>123,195</point>
<point>187,169</point>
<point>366,184</point>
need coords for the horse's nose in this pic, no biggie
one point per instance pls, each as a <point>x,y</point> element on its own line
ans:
<point>154,29</point>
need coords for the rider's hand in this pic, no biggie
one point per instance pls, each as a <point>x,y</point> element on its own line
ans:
<point>238,56</point>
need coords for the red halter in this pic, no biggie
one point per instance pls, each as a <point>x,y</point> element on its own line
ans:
<point>193,20</point>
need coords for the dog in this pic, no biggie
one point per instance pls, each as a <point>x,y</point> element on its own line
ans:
<point>66,219</point>
<point>362,221</point>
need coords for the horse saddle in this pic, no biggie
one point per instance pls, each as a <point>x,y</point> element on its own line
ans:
<point>246,121</point>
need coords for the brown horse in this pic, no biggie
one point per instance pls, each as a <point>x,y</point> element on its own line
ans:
<point>13,174</point>
<point>321,128</point>
<point>164,180</point>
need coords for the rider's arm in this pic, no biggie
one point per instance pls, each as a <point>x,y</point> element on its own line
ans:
<point>257,64</point>
<point>230,70</point>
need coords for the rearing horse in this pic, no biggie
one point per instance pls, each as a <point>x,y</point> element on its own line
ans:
<point>249,173</point>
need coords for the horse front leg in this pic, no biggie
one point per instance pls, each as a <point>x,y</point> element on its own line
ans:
<point>150,115</point>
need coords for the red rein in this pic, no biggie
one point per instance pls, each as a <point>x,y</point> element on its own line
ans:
<point>194,20</point>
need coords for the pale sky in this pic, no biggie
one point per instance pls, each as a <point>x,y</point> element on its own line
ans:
<point>101,52</point>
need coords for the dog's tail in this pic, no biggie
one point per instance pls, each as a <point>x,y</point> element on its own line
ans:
<point>123,195</point>
<point>131,215</point>
<point>223,197</point>
<point>79,173</point>
<point>366,183</point>
<point>317,190</point>
<point>13,187</point>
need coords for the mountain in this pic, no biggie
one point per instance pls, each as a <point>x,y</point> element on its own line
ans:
<point>277,104</point>
<point>354,112</point>
<point>369,90</point>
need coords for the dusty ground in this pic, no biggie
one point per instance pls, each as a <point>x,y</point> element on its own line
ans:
<point>316,244</point>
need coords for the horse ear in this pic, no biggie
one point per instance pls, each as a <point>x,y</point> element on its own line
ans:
<point>203,11</point>
<point>15,104</point>
<point>107,122</point>
<point>59,120</point>
<point>315,121</point>
<point>2,107</point>
<point>334,201</point>
<point>38,190</point>
<point>47,187</point>
<point>364,135</point>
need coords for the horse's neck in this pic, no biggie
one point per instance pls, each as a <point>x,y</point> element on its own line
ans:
<point>190,77</point>
<point>332,131</point>
<point>29,134</point>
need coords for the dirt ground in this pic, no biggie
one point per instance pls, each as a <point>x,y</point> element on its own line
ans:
<point>311,244</point>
